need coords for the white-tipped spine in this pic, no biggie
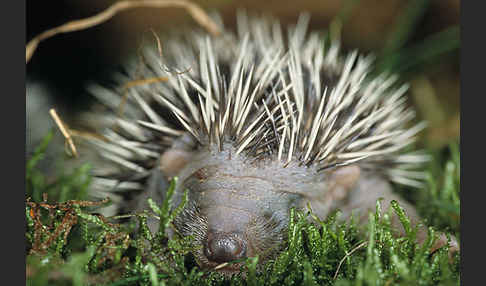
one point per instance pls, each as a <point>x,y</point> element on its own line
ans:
<point>274,101</point>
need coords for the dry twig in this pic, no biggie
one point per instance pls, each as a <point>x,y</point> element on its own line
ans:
<point>347,255</point>
<point>196,12</point>
<point>64,130</point>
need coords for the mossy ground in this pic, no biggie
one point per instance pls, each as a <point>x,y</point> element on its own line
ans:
<point>68,244</point>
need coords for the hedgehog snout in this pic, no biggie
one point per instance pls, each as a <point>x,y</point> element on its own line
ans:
<point>225,247</point>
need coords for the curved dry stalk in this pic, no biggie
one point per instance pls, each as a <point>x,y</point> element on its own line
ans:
<point>347,255</point>
<point>64,130</point>
<point>194,10</point>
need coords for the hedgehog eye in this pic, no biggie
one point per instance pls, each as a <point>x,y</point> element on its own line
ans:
<point>267,216</point>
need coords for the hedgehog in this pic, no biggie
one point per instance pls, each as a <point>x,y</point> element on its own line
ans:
<point>253,123</point>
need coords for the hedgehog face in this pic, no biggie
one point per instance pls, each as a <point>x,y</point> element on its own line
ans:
<point>228,234</point>
<point>233,213</point>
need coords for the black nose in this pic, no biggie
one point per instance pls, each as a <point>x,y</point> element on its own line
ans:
<point>222,248</point>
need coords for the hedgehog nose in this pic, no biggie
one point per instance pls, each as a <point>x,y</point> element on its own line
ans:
<point>225,248</point>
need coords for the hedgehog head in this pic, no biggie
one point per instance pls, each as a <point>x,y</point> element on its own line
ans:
<point>237,207</point>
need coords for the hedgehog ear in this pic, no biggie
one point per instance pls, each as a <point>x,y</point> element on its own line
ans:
<point>345,177</point>
<point>173,160</point>
<point>177,156</point>
<point>334,189</point>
